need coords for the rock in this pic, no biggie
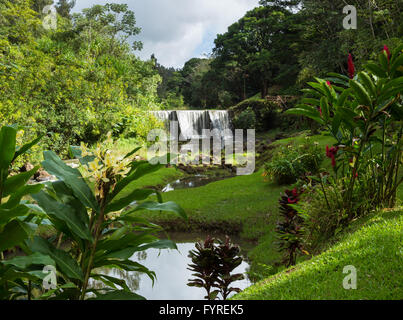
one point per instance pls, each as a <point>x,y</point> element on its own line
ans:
<point>42,176</point>
<point>27,167</point>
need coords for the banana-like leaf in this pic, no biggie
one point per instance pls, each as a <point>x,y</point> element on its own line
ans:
<point>16,197</point>
<point>119,295</point>
<point>367,81</point>
<point>71,177</point>
<point>20,151</point>
<point>142,170</point>
<point>13,183</point>
<point>132,152</point>
<point>376,70</point>
<point>66,195</point>
<point>6,215</point>
<point>65,213</point>
<point>361,94</point>
<point>325,108</point>
<point>166,206</point>
<point>135,195</point>
<point>314,115</point>
<point>128,240</point>
<point>22,262</point>
<point>14,233</point>
<point>75,152</point>
<point>65,263</point>
<point>343,97</point>
<point>8,136</point>
<point>111,281</point>
<point>396,64</point>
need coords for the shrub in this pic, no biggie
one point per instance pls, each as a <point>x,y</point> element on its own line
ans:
<point>213,265</point>
<point>261,112</point>
<point>363,112</point>
<point>245,120</point>
<point>289,228</point>
<point>290,162</point>
<point>86,209</point>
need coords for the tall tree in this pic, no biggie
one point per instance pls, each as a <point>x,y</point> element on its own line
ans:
<point>64,7</point>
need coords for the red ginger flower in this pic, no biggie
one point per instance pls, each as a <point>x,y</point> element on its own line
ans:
<point>331,153</point>
<point>385,48</point>
<point>351,67</point>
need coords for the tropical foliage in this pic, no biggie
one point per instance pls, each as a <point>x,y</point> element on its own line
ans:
<point>96,227</point>
<point>213,265</point>
<point>77,82</point>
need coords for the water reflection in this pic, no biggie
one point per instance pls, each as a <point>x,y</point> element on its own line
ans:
<point>172,275</point>
<point>192,182</point>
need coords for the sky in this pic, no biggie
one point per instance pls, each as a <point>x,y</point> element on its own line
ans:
<point>177,30</point>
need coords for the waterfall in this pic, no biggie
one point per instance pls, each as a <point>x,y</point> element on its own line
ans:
<point>192,122</point>
<point>165,117</point>
<point>220,120</point>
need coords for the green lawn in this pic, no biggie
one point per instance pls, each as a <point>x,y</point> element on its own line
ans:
<point>374,246</point>
<point>246,205</point>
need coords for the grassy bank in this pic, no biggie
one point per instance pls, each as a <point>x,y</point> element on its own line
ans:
<point>373,245</point>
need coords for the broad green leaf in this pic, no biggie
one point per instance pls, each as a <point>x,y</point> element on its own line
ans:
<point>136,195</point>
<point>325,108</point>
<point>65,213</point>
<point>75,152</point>
<point>65,263</point>
<point>26,147</point>
<point>367,81</point>
<point>303,112</point>
<point>16,197</point>
<point>22,262</point>
<point>7,146</point>
<point>160,244</point>
<point>14,233</point>
<point>65,194</point>
<point>119,295</point>
<point>376,70</point>
<point>72,177</point>
<point>128,240</point>
<point>396,64</point>
<point>126,265</point>
<point>132,152</point>
<point>13,183</point>
<point>8,214</point>
<point>141,171</point>
<point>166,206</point>
<point>361,93</point>
<point>383,60</point>
<point>343,97</point>
<point>314,102</point>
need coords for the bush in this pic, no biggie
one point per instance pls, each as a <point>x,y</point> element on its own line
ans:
<point>245,120</point>
<point>291,162</point>
<point>323,215</point>
<point>264,113</point>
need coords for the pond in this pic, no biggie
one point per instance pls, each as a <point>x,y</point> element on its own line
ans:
<point>170,267</point>
<point>194,181</point>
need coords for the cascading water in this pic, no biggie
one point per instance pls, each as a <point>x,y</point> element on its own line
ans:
<point>220,120</point>
<point>192,122</point>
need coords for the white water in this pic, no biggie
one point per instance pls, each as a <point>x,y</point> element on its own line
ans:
<point>192,122</point>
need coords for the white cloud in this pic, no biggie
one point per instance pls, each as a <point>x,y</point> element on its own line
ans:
<point>176,30</point>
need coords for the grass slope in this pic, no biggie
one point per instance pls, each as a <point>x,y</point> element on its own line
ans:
<point>373,245</point>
